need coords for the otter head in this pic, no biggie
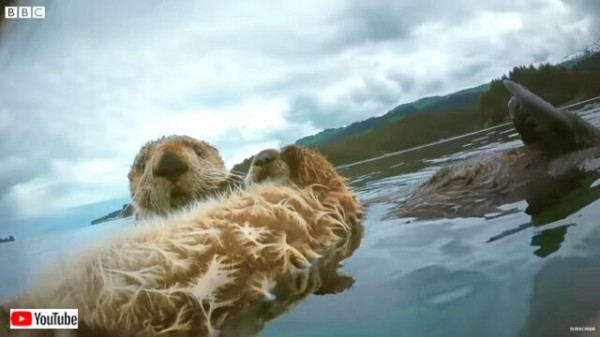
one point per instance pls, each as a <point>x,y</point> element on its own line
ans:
<point>268,165</point>
<point>174,171</point>
<point>539,123</point>
<point>294,165</point>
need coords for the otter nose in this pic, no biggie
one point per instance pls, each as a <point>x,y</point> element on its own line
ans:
<point>170,166</point>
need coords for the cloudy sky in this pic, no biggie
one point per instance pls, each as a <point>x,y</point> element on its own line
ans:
<point>83,89</point>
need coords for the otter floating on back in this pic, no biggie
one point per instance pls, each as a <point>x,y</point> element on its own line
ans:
<point>223,267</point>
<point>559,147</point>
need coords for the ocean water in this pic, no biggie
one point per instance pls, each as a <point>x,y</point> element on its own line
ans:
<point>427,278</point>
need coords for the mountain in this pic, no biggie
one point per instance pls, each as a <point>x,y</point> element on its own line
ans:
<point>124,212</point>
<point>571,60</point>
<point>433,103</point>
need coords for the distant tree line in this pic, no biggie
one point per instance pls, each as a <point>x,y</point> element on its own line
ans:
<point>411,131</point>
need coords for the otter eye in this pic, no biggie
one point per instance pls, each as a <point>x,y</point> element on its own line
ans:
<point>199,152</point>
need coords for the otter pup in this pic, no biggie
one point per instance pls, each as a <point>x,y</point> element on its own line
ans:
<point>273,166</point>
<point>223,267</point>
<point>560,147</point>
<point>171,172</point>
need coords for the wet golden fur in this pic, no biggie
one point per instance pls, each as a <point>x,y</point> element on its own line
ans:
<point>205,176</point>
<point>223,267</point>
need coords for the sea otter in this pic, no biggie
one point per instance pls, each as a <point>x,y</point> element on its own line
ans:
<point>171,172</point>
<point>283,167</point>
<point>559,148</point>
<point>218,268</point>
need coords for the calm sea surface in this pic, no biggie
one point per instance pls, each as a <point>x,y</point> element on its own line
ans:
<point>428,278</point>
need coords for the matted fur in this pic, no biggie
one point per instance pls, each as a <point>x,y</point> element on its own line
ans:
<point>474,186</point>
<point>206,175</point>
<point>218,268</point>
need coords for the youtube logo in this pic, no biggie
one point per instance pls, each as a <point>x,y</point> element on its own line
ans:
<point>44,319</point>
<point>21,318</point>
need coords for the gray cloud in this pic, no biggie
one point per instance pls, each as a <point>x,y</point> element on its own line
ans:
<point>391,20</point>
<point>369,96</point>
<point>589,9</point>
<point>471,69</point>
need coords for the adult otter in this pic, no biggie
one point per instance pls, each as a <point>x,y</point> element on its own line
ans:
<point>219,268</point>
<point>559,148</point>
<point>171,172</point>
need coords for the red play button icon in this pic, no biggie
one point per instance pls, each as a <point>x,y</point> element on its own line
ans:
<point>21,318</point>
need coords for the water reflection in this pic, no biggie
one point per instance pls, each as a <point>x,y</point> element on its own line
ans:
<point>554,202</point>
<point>549,240</point>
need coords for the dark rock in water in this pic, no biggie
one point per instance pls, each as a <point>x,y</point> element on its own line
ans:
<point>125,212</point>
<point>10,238</point>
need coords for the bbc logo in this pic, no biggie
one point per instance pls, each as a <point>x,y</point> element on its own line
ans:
<point>24,12</point>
